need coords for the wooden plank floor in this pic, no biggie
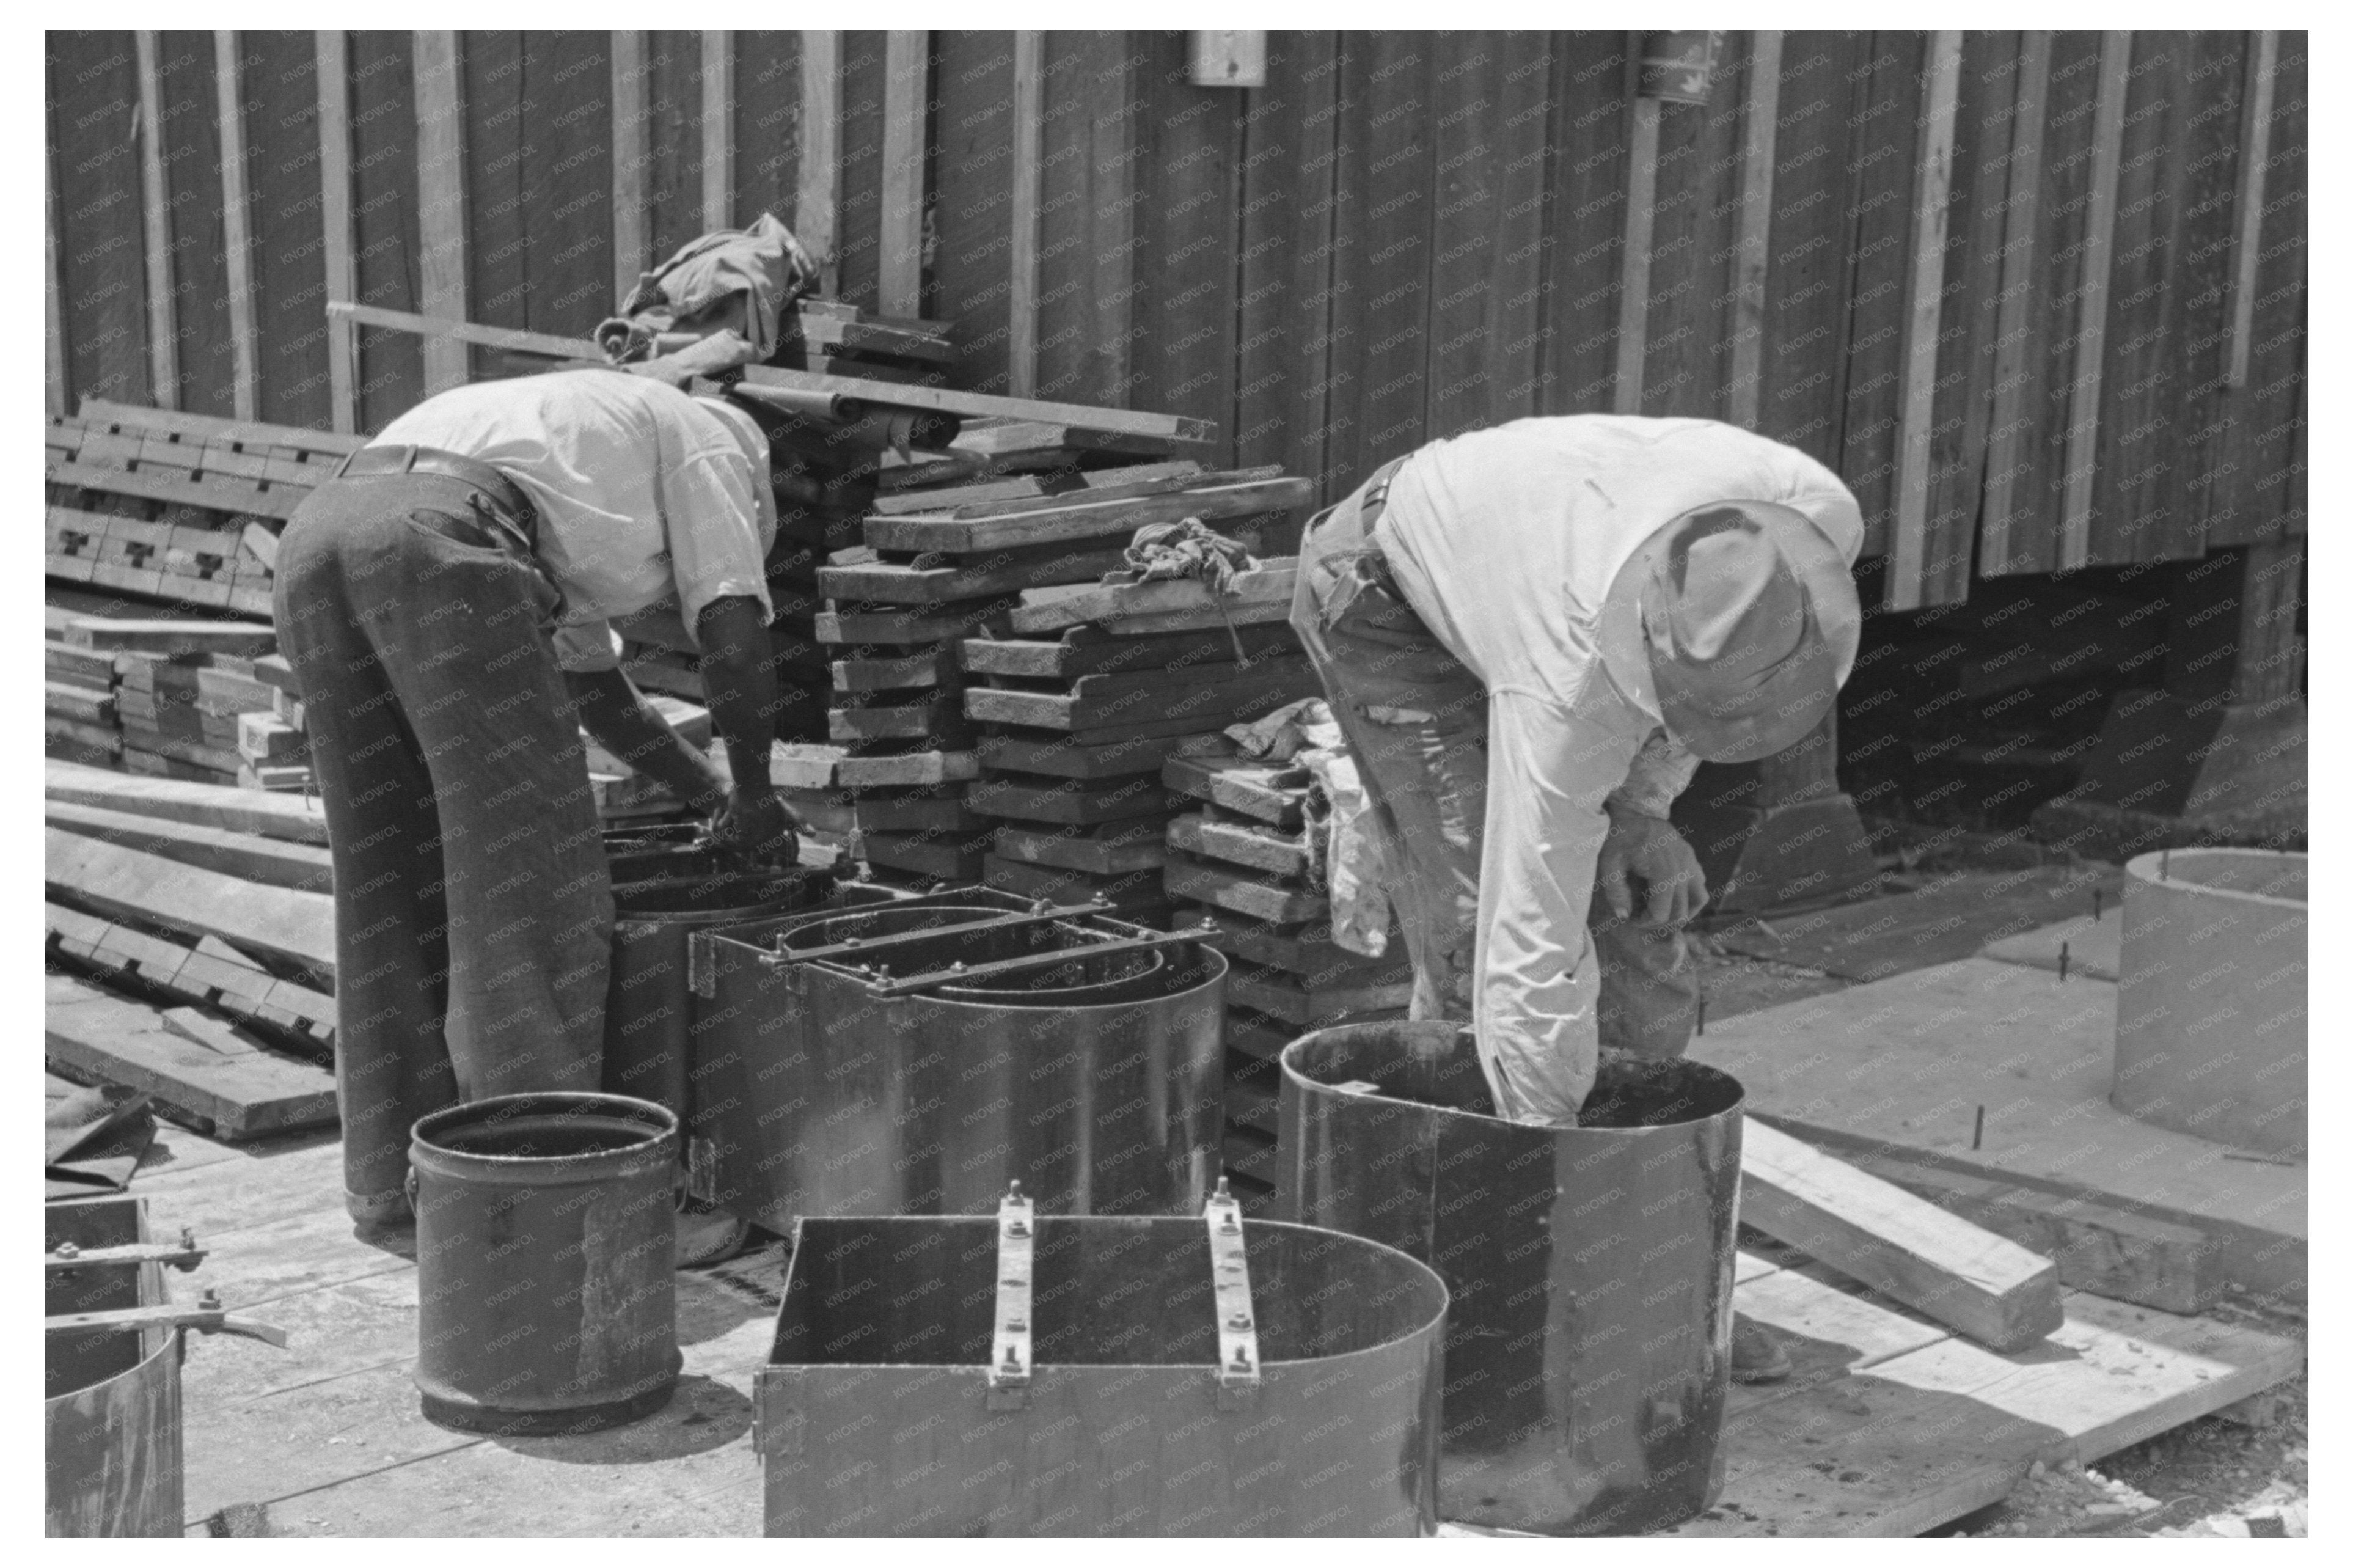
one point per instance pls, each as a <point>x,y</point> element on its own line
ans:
<point>1890,1426</point>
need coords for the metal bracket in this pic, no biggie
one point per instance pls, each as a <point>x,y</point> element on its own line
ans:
<point>68,1258</point>
<point>1009,1357</point>
<point>702,967</point>
<point>859,948</point>
<point>959,974</point>
<point>207,1317</point>
<point>1238,1362</point>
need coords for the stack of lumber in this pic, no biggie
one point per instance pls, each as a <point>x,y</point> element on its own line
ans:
<point>174,506</point>
<point>214,903</point>
<point>168,698</point>
<point>1240,860</point>
<point>1088,688</point>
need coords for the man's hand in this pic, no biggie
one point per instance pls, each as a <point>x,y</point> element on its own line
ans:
<point>757,823</point>
<point>1648,852</point>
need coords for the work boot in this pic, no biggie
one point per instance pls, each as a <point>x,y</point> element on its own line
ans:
<point>708,1235</point>
<point>1756,1352</point>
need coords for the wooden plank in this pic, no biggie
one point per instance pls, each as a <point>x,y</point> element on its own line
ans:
<point>1752,247</point>
<point>297,927</point>
<point>440,204</point>
<point>1264,849</point>
<point>286,818</point>
<point>632,239</point>
<point>69,700</point>
<point>2090,335</point>
<point>1078,654</point>
<point>233,637</point>
<point>1073,802</point>
<point>1259,595</point>
<point>54,355</point>
<point>1274,794</point>
<point>1230,889</point>
<point>207,430</point>
<point>1908,564</point>
<point>237,226</point>
<point>717,129</point>
<point>163,323</point>
<point>975,405</point>
<point>439,329</point>
<point>815,210</point>
<point>2255,167</point>
<point>1634,268</point>
<point>1987,1286</point>
<point>906,80</point>
<point>1132,848</point>
<point>1062,757</point>
<point>1091,518</point>
<point>1027,493</point>
<point>1278,995</point>
<point>2007,500</point>
<point>1022,217</point>
<point>219,496</point>
<point>1149,698</point>
<point>251,1092</point>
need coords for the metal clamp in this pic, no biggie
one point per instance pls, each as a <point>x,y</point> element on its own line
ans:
<point>184,1257</point>
<point>1009,1360</point>
<point>1238,1362</point>
<point>207,1317</point>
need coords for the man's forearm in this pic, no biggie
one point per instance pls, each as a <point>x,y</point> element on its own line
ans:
<point>1660,772</point>
<point>611,709</point>
<point>739,682</point>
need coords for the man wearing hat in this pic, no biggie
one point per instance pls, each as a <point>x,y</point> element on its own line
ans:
<point>1531,636</point>
<point>448,603</point>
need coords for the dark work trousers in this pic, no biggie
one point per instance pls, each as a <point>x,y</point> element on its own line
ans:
<point>1423,760</point>
<point>473,917</point>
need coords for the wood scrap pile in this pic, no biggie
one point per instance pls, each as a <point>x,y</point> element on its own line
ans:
<point>1243,859</point>
<point>170,698</point>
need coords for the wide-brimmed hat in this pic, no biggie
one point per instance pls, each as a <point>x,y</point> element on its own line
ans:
<point>1744,619</point>
<point>754,442</point>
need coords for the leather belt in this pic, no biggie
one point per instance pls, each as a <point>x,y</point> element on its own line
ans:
<point>506,497</point>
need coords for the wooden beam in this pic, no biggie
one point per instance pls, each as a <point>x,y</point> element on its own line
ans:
<point>2091,335</point>
<point>336,231</point>
<point>163,331</point>
<point>2255,160</point>
<point>1908,568</point>
<point>134,885</point>
<point>248,1094</point>
<point>519,340</point>
<point>1752,248</point>
<point>819,197</point>
<point>906,83</point>
<point>291,818</point>
<point>631,240</point>
<point>2015,419</point>
<point>273,862</point>
<point>1634,267</point>
<point>1967,1279</point>
<point>717,129</point>
<point>441,203</point>
<point>53,338</point>
<point>237,226</point>
<point>1029,126</point>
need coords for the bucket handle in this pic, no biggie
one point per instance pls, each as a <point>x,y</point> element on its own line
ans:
<point>1009,1357</point>
<point>1238,1360</point>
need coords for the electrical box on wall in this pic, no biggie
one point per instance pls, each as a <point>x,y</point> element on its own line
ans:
<point>1228,59</point>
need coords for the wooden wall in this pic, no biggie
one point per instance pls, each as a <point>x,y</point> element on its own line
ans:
<point>2038,296</point>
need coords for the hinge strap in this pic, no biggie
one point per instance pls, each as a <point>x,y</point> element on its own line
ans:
<point>1238,1362</point>
<point>1009,1361</point>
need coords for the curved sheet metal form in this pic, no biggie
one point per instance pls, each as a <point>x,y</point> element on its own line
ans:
<point>546,1236</point>
<point>110,1410</point>
<point>877,1413</point>
<point>1589,1348</point>
<point>1093,1077</point>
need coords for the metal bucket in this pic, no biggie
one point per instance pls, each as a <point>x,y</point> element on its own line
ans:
<point>1094,1078</point>
<point>1159,1376</point>
<point>1588,1346</point>
<point>544,1239</point>
<point>110,1411</point>
<point>648,1008</point>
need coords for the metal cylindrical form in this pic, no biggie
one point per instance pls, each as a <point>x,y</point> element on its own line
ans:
<point>1589,1345</point>
<point>110,1411</point>
<point>1095,1077</point>
<point>544,1240</point>
<point>885,1409</point>
<point>2212,980</point>
<point>646,1002</point>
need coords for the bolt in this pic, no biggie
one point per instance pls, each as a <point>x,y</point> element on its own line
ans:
<point>187,1238</point>
<point>956,968</point>
<point>1239,1322</point>
<point>1225,1192</point>
<point>210,1300</point>
<point>68,1249</point>
<point>1015,1325</point>
<point>1012,1358</point>
<point>1016,1228</point>
<point>1241,1358</point>
<point>1011,1283</point>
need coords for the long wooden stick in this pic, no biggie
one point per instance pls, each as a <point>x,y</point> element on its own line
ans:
<point>718,130</point>
<point>2091,300</point>
<point>2255,164</point>
<point>1634,265</point>
<point>335,227</point>
<point>2015,419</point>
<point>1751,248</point>
<point>814,216</point>
<point>441,205</point>
<point>162,331</point>
<point>1021,294</point>
<point>906,77</point>
<point>631,245</point>
<point>237,226</point>
<point>1932,187</point>
<point>53,351</point>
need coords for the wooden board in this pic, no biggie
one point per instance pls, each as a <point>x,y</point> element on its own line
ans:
<point>1274,795</point>
<point>1984,1285</point>
<point>1113,852</point>
<point>1116,422</point>
<point>297,927</point>
<point>1278,855</point>
<point>1062,757</point>
<point>1082,650</point>
<point>1091,518</point>
<point>1148,697</point>
<point>247,1092</point>
<point>1071,802</point>
<point>1282,996</point>
<point>1262,595</point>
<point>1230,889</point>
<point>272,862</point>
<point>170,636</point>
<point>1302,949</point>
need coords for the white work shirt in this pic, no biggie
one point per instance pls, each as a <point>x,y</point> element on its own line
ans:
<point>646,506</point>
<point>1506,543</point>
